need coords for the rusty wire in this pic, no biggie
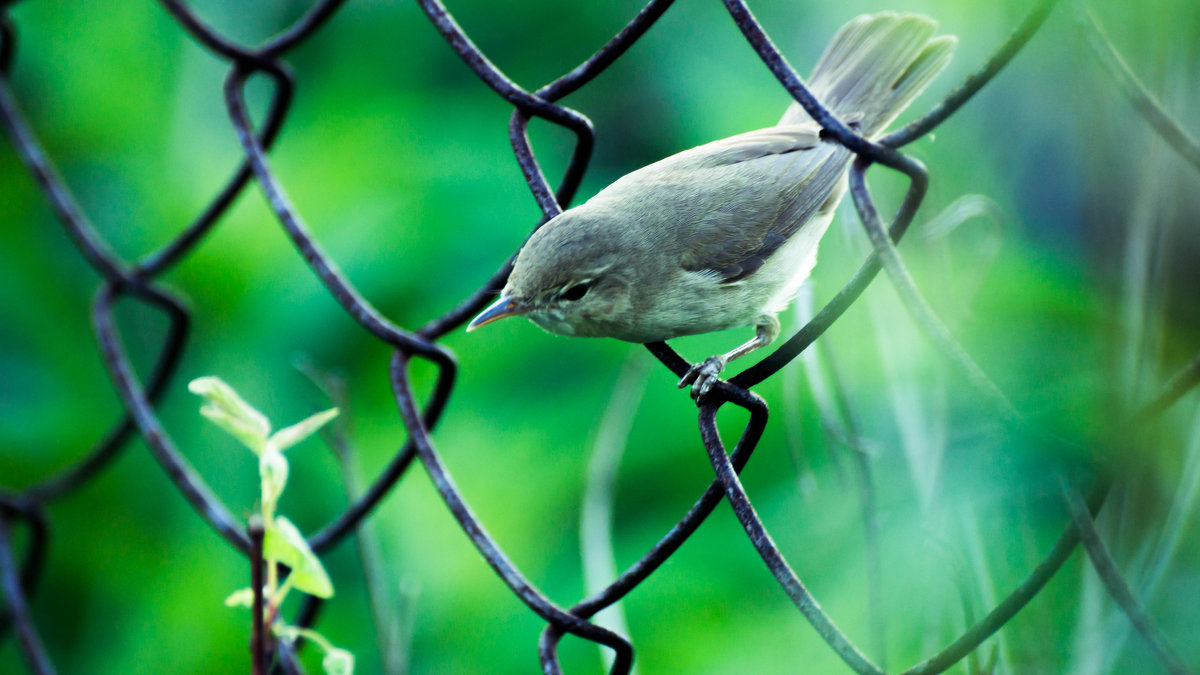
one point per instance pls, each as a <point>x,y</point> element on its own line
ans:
<point>136,281</point>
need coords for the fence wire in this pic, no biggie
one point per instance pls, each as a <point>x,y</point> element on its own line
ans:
<point>138,281</point>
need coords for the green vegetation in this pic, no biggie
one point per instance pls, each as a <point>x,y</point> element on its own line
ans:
<point>1073,286</point>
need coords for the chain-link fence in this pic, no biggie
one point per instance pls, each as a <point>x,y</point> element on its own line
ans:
<point>139,281</point>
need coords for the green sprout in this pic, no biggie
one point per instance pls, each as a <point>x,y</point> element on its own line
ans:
<point>282,541</point>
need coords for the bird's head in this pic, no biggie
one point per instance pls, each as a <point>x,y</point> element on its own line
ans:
<point>570,278</point>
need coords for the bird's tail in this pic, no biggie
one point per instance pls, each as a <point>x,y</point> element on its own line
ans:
<point>874,67</point>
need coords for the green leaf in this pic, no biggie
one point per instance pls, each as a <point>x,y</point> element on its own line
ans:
<point>338,661</point>
<point>248,435</point>
<point>283,543</point>
<point>226,409</point>
<point>289,436</point>
<point>273,469</point>
<point>243,597</point>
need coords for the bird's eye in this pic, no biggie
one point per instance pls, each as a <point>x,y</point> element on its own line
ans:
<point>575,292</point>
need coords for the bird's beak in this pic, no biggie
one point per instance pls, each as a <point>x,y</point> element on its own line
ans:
<point>504,306</point>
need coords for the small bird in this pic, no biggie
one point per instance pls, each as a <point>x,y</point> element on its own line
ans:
<point>724,234</point>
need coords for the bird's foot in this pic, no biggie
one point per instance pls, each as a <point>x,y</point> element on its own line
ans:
<point>702,376</point>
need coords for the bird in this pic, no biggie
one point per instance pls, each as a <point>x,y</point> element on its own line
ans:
<point>724,234</point>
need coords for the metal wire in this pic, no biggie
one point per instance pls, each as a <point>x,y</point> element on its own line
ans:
<point>135,281</point>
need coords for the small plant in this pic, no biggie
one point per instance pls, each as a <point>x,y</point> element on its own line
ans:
<point>282,541</point>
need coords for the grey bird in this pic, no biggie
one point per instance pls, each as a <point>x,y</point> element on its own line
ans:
<point>724,234</point>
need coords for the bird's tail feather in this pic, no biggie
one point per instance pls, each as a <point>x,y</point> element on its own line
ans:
<point>874,67</point>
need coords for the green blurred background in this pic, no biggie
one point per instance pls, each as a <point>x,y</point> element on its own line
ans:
<point>1076,290</point>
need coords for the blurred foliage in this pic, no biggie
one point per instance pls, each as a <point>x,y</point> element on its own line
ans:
<point>398,158</point>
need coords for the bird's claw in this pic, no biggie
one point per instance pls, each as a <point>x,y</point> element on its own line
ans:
<point>702,376</point>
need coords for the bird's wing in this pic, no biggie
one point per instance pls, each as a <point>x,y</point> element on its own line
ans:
<point>752,192</point>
